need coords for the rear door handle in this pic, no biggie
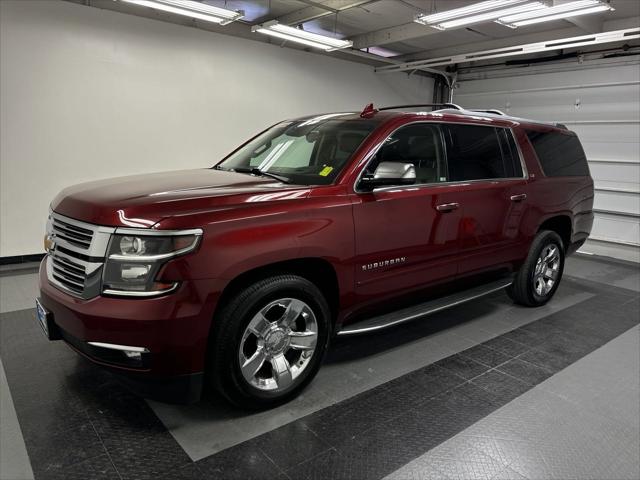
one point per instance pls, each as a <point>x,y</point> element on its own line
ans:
<point>518,198</point>
<point>447,207</point>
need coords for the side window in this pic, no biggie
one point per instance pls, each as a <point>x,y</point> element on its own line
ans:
<point>560,154</point>
<point>513,165</point>
<point>474,153</point>
<point>419,144</point>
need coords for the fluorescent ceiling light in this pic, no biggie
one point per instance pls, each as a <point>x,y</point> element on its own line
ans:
<point>476,13</point>
<point>190,8</point>
<point>600,8</point>
<point>298,35</point>
<point>563,10</point>
<point>483,17</point>
<point>464,11</point>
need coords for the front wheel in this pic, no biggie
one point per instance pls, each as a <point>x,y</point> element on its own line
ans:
<point>537,280</point>
<point>269,341</point>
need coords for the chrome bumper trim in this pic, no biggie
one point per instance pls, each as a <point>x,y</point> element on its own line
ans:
<point>132,293</point>
<point>123,348</point>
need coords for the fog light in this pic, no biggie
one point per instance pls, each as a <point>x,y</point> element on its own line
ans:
<point>134,272</point>
<point>133,355</point>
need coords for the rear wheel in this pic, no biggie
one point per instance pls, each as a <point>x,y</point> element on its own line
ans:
<point>269,341</point>
<point>537,280</point>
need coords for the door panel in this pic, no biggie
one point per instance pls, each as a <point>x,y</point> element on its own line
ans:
<point>492,195</point>
<point>402,241</point>
<point>490,224</point>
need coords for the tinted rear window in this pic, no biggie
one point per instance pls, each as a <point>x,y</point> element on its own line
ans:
<point>479,152</point>
<point>560,154</point>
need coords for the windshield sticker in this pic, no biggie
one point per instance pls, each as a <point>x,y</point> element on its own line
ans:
<point>325,171</point>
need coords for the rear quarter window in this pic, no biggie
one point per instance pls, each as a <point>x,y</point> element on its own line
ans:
<point>560,154</point>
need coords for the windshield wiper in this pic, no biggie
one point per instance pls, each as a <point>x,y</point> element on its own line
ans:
<point>261,173</point>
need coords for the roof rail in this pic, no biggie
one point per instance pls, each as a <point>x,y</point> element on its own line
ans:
<point>489,110</point>
<point>369,110</point>
<point>441,105</point>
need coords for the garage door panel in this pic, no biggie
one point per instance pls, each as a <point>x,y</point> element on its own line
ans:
<point>611,150</point>
<point>618,173</point>
<point>566,109</point>
<point>562,110</point>
<point>617,201</point>
<point>545,79</point>
<point>607,133</point>
<point>603,95</point>
<point>616,228</point>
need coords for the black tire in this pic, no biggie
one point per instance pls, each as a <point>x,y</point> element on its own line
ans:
<point>522,290</point>
<point>224,373</point>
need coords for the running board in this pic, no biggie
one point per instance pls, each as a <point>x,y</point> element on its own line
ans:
<point>427,308</point>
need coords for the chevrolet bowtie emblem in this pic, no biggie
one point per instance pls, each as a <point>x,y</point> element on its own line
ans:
<point>49,242</point>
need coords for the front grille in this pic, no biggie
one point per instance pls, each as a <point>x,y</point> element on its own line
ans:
<point>73,234</point>
<point>70,274</point>
<point>76,258</point>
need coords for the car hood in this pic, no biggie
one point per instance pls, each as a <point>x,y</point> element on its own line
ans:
<point>143,200</point>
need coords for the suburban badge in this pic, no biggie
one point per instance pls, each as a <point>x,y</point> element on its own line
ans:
<point>383,263</point>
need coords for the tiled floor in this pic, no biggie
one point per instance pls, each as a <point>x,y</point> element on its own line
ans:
<point>17,291</point>
<point>356,365</point>
<point>486,390</point>
<point>14,461</point>
<point>566,427</point>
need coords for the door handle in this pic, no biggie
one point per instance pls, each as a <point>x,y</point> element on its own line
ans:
<point>518,198</point>
<point>447,207</point>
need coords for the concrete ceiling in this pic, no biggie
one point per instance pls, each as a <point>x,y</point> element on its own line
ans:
<point>383,31</point>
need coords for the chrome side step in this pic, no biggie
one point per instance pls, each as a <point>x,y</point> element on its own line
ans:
<point>416,311</point>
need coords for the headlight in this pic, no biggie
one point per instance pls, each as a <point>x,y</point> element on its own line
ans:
<point>134,259</point>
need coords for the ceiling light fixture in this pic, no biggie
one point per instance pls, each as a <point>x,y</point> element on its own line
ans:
<point>298,35</point>
<point>476,13</point>
<point>483,17</point>
<point>193,9</point>
<point>557,12</point>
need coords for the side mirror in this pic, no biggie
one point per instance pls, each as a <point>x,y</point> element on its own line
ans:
<point>389,174</point>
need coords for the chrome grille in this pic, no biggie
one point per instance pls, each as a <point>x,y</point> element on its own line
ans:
<point>73,234</point>
<point>75,261</point>
<point>70,274</point>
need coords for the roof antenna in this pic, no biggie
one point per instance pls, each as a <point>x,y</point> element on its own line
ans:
<point>368,111</point>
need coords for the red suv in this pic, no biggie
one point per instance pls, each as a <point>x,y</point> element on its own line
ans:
<point>237,276</point>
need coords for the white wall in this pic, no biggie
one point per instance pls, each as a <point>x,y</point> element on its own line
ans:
<point>88,93</point>
<point>607,121</point>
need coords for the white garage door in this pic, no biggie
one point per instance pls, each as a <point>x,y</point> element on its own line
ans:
<point>602,105</point>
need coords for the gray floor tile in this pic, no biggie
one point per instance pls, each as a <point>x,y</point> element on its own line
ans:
<point>508,474</point>
<point>608,273</point>
<point>18,292</point>
<point>14,461</point>
<point>525,371</point>
<point>567,427</point>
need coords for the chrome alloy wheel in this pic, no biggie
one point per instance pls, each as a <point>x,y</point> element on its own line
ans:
<point>278,344</point>
<point>547,270</point>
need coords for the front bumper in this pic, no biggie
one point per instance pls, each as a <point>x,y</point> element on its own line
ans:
<point>173,328</point>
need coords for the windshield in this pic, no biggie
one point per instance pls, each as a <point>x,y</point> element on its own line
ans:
<point>309,152</point>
